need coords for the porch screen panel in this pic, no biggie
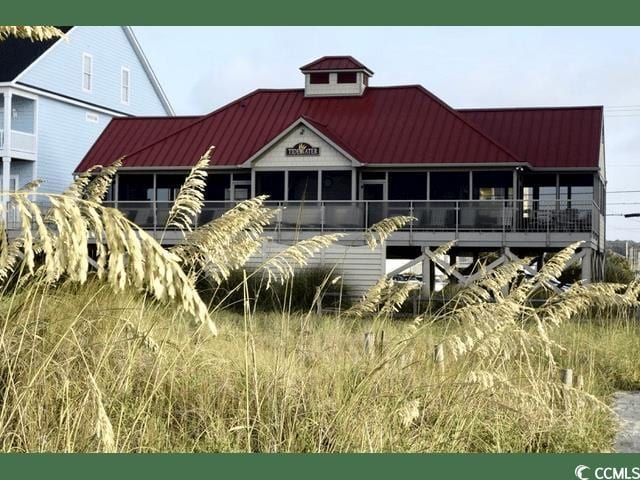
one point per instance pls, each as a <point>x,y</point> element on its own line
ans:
<point>493,185</point>
<point>135,187</point>
<point>576,190</point>
<point>336,185</point>
<point>168,186</point>
<point>303,185</point>
<point>270,183</point>
<point>135,197</point>
<point>407,186</point>
<point>218,187</point>
<point>449,185</point>
<point>539,191</point>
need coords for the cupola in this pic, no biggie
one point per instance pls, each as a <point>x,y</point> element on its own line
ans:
<point>335,76</point>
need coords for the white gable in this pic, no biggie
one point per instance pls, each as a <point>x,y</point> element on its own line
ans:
<point>276,156</point>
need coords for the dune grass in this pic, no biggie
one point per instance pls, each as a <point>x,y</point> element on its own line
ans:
<point>84,370</point>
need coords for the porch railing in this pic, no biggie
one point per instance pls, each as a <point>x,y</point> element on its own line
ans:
<point>430,215</point>
<point>20,141</point>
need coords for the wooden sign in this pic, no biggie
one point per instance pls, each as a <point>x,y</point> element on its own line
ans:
<point>302,149</point>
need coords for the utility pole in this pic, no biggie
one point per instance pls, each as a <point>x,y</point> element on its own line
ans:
<point>632,253</point>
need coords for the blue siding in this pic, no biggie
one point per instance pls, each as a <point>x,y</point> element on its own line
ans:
<point>60,71</point>
<point>24,170</point>
<point>64,137</point>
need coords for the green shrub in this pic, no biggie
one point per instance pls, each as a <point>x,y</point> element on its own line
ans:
<point>296,294</point>
<point>617,269</point>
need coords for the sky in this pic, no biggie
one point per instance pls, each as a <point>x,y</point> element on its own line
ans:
<point>203,68</point>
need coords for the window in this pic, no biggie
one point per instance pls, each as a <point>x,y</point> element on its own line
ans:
<point>87,72</point>
<point>322,77</point>
<point>347,77</point>
<point>124,85</point>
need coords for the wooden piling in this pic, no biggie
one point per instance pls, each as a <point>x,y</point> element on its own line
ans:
<point>369,341</point>
<point>318,301</point>
<point>566,377</point>
<point>438,356</point>
<point>380,343</point>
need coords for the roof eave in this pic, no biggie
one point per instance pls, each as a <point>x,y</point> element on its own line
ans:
<point>148,70</point>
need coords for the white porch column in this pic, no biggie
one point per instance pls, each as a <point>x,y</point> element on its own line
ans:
<point>6,173</point>
<point>6,176</point>
<point>6,157</point>
<point>6,123</point>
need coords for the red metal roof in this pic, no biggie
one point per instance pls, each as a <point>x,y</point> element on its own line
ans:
<point>561,137</point>
<point>385,125</point>
<point>344,62</point>
<point>124,135</point>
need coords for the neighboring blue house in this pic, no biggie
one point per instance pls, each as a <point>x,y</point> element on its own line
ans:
<point>56,97</point>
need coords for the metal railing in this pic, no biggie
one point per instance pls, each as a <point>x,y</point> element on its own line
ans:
<point>430,215</point>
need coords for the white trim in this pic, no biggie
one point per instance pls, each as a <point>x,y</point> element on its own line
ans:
<point>122,86</point>
<point>6,121</point>
<point>85,56</point>
<point>476,166</point>
<point>28,95</point>
<point>294,125</point>
<point>128,31</point>
<point>77,103</point>
<point>44,54</point>
<point>338,70</point>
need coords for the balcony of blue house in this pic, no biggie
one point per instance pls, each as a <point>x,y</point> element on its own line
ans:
<point>18,125</point>
<point>18,138</point>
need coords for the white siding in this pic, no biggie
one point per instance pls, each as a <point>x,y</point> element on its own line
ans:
<point>360,267</point>
<point>333,88</point>
<point>276,156</point>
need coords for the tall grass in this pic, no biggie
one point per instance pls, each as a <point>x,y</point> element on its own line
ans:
<point>84,369</point>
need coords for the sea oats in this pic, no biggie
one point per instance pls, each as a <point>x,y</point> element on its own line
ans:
<point>379,232</point>
<point>190,199</point>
